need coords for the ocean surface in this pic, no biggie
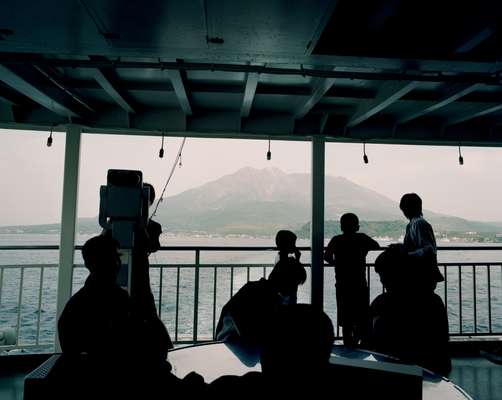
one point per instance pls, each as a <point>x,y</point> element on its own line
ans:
<point>31,309</point>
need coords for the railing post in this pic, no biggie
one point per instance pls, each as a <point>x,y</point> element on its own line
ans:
<point>160,290</point>
<point>489,283</point>
<point>39,312</point>
<point>196,296</point>
<point>317,221</point>
<point>176,320</point>
<point>215,288</point>
<point>474,299</point>
<point>460,298</point>
<point>68,219</point>
<point>19,306</point>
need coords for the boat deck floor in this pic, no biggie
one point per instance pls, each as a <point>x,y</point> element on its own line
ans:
<point>479,377</point>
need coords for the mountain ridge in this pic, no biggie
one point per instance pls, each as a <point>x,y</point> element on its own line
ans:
<point>260,201</point>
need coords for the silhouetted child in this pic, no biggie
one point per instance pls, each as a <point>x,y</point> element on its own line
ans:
<point>246,316</point>
<point>347,252</point>
<point>286,245</point>
<point>419,242</point>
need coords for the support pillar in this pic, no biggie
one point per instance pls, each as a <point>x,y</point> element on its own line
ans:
<point>317,221</point>
<point>68,219</point>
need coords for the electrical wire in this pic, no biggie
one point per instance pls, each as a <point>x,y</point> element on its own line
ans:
<point>161,198</point>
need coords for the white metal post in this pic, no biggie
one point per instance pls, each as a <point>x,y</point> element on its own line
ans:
<point>317,221</point>
<point>68,219</point>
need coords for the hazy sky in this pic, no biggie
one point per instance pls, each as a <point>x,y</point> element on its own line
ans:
<point>33,173</point>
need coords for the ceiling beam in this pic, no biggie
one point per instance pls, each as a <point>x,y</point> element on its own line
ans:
<point>451,94</point>
<point>323,22</point>
<point>454,91</point>
<point>55,77</point>
<point>180,90</point>
<point>427,70</point>
<point>387,94</point>
<point>152,122</point>
<point>319,88</point>
<point>474,114</point>
<point>249,93</point>
<point>106,83</point>
<point>475,40</point>
<point>13,80</point>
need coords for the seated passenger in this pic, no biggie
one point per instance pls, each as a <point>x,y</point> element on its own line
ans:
<point>294,358</point>
<point>97,319</point>
<point>408,323</point>
<point>107,341</point>
<point>246,316</point>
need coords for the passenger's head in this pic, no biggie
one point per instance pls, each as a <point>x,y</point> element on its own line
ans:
<point>285,240</point>
<point>300,338</point>
<point>411,205</point>
<point>101,257</point>
<point>392,267</point>
<point>349,223</point>
<point>152,192</point>
<point>287,274</point>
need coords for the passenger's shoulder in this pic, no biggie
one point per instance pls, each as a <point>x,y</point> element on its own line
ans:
<point>336,239</point>
<point>422,223</point>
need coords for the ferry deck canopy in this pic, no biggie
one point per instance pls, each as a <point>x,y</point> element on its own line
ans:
<point>385,71</point>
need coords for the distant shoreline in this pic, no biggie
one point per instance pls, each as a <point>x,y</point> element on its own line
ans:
<point>243,236</point>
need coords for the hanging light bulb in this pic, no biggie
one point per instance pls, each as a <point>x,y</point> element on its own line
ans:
<point>460,158</point>
<point>269,153</point>
<point>365,157</point>
<point>49,139</point>
<point>161,151</point>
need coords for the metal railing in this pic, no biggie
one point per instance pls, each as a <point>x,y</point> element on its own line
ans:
<point>190,296</point>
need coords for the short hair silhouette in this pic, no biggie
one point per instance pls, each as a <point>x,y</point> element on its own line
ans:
<point>411,205</point>
<point>299,335</point>
<point>151,198</point>
<point>349,223</point>
<point>389,266</point>
<point>101,255</point>
<point>285,240</point>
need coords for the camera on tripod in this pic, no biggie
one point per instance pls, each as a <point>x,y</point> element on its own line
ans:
<point>123,208</point>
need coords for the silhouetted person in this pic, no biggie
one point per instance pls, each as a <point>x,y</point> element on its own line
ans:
<point>245,318</point>
<point>294,358</point>
<point>107,339</point>
<point>347,252</point>
<point>419,241</point>
<point>286,245</point>
<point>285,242</point>
<point>95,318</point>
<point>407,322</point>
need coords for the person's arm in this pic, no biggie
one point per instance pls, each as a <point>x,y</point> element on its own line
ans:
<point>371,244</point>
<point>329,254</point>
<point>423,236</point>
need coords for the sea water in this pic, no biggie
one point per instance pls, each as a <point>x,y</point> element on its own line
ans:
<point>37,328</point>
